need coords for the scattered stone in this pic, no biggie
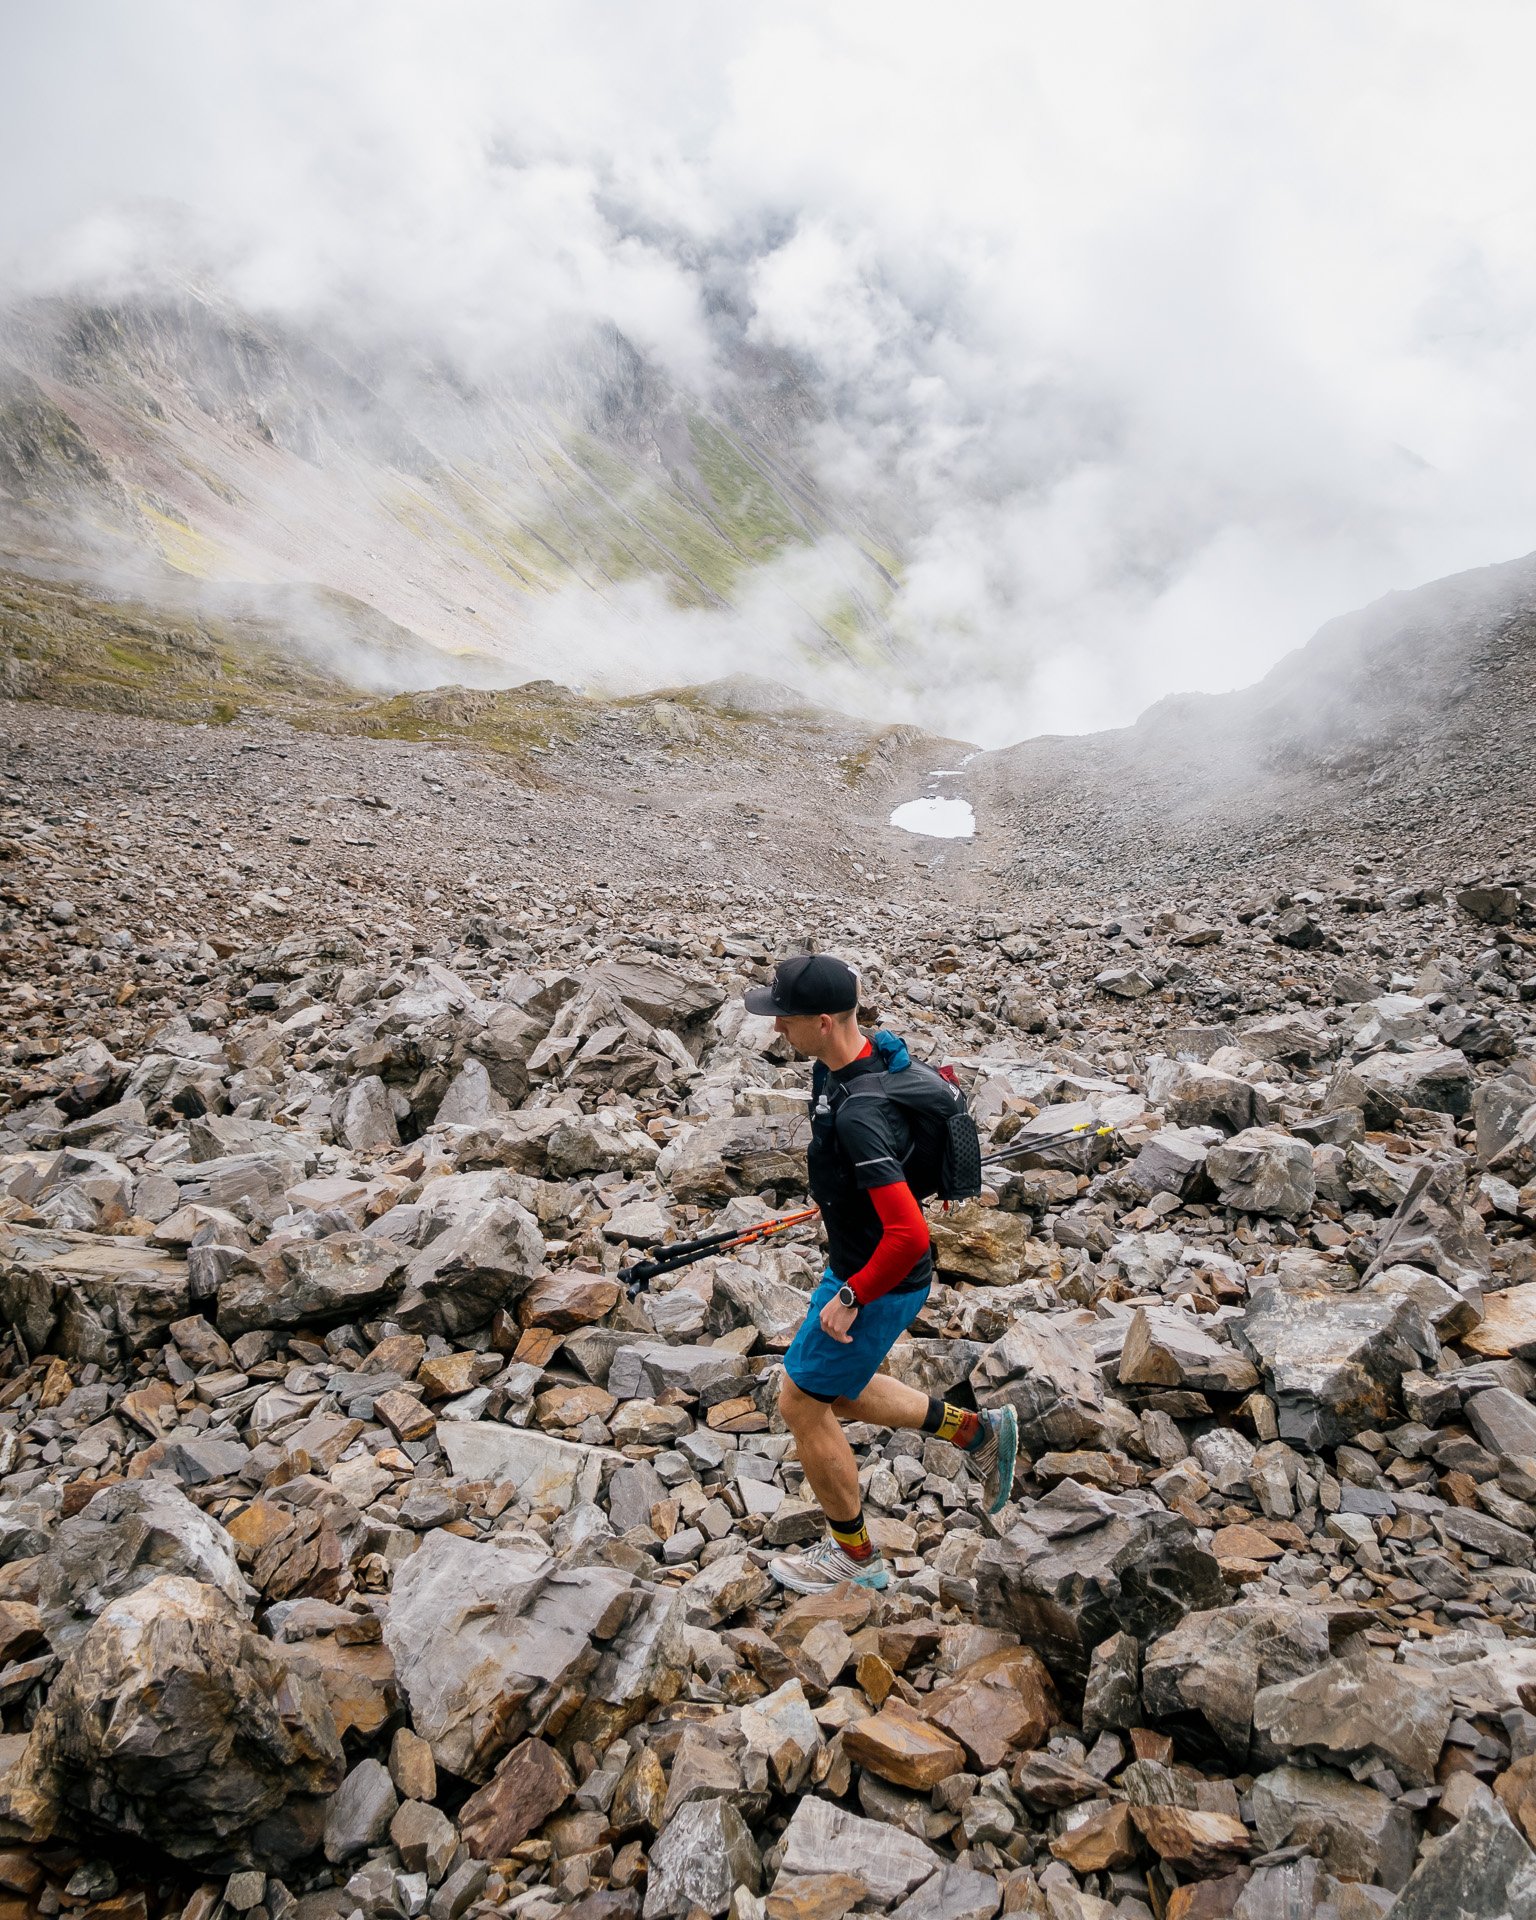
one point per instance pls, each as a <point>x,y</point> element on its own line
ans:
<point>531,1783</point>
<point>902,1747</point>
<point>1356,1831</point>
<point>705,1853</point>
<point>823,1838</point>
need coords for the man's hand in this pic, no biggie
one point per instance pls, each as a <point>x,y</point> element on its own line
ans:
<point>837,1320</point>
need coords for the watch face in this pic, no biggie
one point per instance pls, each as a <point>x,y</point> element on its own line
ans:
<point>847,1296</point>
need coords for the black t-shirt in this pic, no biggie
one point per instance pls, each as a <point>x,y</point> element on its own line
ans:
<point>856,1144</point>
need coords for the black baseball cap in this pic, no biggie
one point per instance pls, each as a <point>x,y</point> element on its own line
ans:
<point>807,983</point>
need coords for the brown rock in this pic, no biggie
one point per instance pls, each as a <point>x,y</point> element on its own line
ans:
<point>400,1353</point>
<point>359,1681</point>
<point>902,1747</point>
<point>1508,1325</point>
<point>1243,1543</point>
<point>848,1605</point>
<point>640,1796</point>
<point>764,1656</point>
<point>875,1677</point>
<point>1044,1780</point>
<point>1516,1787</point>
<point>21,1630</point>
<point>736,1416</point>
<point>908,1640</point>
<point>1103,1843</point>
<point>564,1301</point>
<point>815,1896</point>
<point>152,1407</point>
<point>424,1838</point>
<point>1204,1842</point>
<point>174,1722</point>
<point>257,1527</point>
<point>1208,1899</point>
<point>19,1872</point>
<point>1004,1700</point>
<point>528,1786</point>
<point>569,1406</point>
<point>411,1766</point>
<point>404,1415</point>
<point>447,1377</point>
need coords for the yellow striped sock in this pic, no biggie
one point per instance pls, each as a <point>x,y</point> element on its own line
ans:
<point>852,1536</point>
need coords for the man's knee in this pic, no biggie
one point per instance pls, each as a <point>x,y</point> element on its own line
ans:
<point>799,1409</point>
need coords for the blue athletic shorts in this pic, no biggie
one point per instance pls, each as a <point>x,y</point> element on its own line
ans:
<point>825,1368</point>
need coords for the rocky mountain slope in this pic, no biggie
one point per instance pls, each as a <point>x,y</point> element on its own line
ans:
<point>1401,732</point>
<point>367,1548</point>
<point>175,437</point>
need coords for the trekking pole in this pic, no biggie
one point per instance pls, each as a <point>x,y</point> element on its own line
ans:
<point>683,1253</point>
<point>1046,1143</point>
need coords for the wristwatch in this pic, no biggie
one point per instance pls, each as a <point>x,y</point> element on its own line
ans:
<point>846,1297</point>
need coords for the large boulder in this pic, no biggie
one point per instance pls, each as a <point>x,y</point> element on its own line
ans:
<point>1481,1870</point>
<point>1333,1359</point>
<point>1214,1663</point>
<point>1173,1161</point>
<point>1193,1095</point>
<point>824,1838</point>
<point>291,1282</point>
<point>1383,1085</point>
<point>1262,1170</point>
<point>1357,1832</point>
<point>1167,1347</point>
<point>1082,1565</point>
<point>644,1368</point>
<point>505,1044</point>
<point>703,1854</point>
<point>486,1638</point>
<point>666,999</point>
<point>486,1260</point>
<point>1296,1039</point>
<point>122,1539</point>
<point>174,1723</point>
<point>1505,1113</point>
<point>1047,1374</point>
<point>1360,1708</point>
<point>983,1245</point>
<point>545,1470</point>
<point>364,1116</point>
<point>87,1296</point>
<point>737,1154</point>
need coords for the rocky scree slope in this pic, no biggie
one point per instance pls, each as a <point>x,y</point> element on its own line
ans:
<point>365,1549</point>
<point>1404,728</point>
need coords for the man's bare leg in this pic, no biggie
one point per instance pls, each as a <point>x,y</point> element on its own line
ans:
<point>885,1402</point>
<point>828,1459</point>
<point>823,1448</point>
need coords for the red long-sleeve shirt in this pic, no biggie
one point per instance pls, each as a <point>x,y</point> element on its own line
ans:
<point>903,1242</point>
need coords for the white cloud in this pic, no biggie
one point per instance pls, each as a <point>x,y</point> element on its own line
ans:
<point>1162,333</point>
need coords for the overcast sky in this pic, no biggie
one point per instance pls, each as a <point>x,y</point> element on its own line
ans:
<point>1179,327</point>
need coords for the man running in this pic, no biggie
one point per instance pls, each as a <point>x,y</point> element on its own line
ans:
<point>879,1270</point>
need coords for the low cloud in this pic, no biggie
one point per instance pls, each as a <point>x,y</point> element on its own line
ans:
<point>1157,336</point>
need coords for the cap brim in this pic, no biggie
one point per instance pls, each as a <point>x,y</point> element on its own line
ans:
<point>761,1000</point>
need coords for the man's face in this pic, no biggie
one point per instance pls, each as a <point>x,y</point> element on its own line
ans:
<point>805,1032</point>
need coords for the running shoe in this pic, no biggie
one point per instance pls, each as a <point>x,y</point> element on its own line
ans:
<point>995,1457</point>
<point>825,1566</point>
